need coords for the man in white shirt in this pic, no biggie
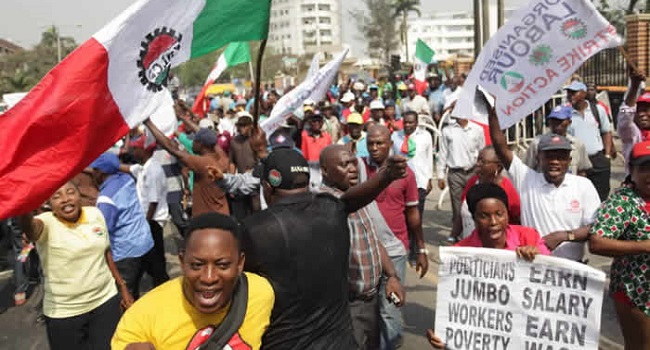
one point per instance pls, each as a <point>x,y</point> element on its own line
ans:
<point>416,145</point>
<point>151,185</point>
<point>415,102</point>
<point>460,143</point>
<point>559,205</point>
<point>591,125</point>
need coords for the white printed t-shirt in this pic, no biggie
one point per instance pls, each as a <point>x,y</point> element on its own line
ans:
<point>152,188</point>
<point>548,208</point>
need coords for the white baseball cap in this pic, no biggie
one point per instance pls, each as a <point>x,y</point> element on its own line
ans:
<point>347,97</point>
<point>206,123</point>
<point>376,104</point>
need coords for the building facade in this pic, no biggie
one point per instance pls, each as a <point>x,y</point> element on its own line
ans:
<point>449,34</point>
<point>7,47</point>
<point>300,27</point>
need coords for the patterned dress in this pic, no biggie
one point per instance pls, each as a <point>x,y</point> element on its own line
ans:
<point>623,216</point>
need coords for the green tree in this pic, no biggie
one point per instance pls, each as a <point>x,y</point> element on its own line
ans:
<point>378,28</point>
<point>402,8</point>
<point>23,69</point>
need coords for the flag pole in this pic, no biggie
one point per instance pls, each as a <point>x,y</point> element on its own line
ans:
<point>250,70</point>
<point>258,82</point>
<point>627,58</point>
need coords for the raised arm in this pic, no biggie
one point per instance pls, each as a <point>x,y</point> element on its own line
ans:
<point>169,145</point>
<point>498,137</point>
<point>636,78</point>
<point>182,110</point>
<point>361,195</point>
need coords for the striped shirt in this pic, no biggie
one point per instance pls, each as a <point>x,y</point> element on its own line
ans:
<point>365,260</point>
<point>172,169</point>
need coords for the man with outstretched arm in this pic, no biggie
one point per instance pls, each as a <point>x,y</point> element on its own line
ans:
<point>559,205</point>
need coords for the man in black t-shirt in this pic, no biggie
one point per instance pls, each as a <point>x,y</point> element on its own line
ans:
<point>301,244</point>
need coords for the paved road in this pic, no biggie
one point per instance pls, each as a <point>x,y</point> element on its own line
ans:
<point>19,329</point>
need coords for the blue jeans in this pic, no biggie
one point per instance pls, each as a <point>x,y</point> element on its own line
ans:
<point>391,316</point>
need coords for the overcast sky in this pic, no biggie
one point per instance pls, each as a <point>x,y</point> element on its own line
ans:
<point>23,21</point>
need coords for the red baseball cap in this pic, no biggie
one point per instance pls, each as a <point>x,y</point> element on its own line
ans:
<point>644,98</point>
<point>640,153</point>
<point>140,143</point>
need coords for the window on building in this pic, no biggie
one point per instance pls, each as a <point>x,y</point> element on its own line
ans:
<point>323,7</point>
<point>325,32</point>
<point>324,20</point>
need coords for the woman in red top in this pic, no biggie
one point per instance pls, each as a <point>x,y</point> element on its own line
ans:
<point>488,204</point>
<point>489,169</point>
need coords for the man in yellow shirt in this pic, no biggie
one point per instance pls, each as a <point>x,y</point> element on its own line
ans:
<point>184,312</point>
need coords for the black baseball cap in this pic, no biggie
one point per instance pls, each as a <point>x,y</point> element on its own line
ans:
<point>205,136</point>
<point>281,138</point>
<point>552,142</point>
<point>286,169</point>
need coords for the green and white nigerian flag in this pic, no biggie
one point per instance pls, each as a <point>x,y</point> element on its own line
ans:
<point>423,57</point>
<point>234,54</point>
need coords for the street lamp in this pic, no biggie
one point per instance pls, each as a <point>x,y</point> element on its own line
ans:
<point>55,30</point>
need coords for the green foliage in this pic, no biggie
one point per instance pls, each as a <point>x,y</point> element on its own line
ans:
<point>21,70</point>
<point>378,28</point>
<point>402,8</point>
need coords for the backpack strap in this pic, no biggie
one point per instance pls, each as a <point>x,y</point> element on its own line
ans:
<point>594,111</point>
<point>233,320</point>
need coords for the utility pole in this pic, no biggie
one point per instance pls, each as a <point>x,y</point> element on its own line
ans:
<point>500,13</point>
<point>58,46</point>
<point>485,10</point>
<point>477,28</point>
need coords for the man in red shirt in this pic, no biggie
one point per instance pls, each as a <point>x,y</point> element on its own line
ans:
<point>398,205</point>
<point>314,140</point>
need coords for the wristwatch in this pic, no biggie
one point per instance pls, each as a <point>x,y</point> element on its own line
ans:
<point>424,251</point>
<point>571,235</point>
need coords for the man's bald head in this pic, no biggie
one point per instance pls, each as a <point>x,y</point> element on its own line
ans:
<point>338,167</point>
<point>331,153</point>
<point>379,130</point>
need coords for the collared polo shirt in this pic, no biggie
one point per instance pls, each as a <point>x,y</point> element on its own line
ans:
<point>393,200</point>
<point>549,208</point>
<point>77,278</point>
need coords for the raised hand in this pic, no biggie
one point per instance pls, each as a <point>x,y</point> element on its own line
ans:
<point>214,173</point>
<point>396,167</point>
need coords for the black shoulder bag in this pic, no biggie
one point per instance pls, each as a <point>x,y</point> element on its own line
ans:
<point>233,320</point>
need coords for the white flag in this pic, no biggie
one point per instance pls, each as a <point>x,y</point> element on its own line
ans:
<point>533,54</point>
<point>313,86</point>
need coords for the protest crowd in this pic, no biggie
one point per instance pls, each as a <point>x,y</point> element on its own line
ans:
<point>299,236</point>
